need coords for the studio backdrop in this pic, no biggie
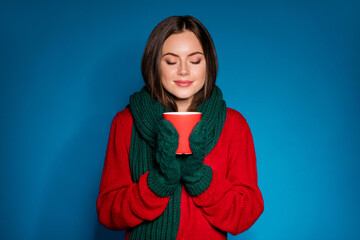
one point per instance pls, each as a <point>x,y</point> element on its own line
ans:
<point>292,68</point>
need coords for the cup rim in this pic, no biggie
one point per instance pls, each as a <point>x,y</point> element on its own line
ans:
<point>182,113</point>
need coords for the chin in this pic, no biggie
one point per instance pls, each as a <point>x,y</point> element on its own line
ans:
<point>184,95</point>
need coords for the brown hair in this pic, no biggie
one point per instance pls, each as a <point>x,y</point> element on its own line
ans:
<point>150,64</point>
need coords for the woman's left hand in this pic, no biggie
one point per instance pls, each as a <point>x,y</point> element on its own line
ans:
<point>191,166</point>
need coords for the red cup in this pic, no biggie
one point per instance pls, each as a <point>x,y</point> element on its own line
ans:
<point>184,122</point>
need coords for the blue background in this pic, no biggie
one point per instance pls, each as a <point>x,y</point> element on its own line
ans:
<point>292,68</point>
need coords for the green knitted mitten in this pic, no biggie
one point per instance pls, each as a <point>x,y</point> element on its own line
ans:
<point>195,175</point>
<point>164,179</point>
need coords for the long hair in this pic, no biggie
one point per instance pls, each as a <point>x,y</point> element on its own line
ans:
<point>150,64</point>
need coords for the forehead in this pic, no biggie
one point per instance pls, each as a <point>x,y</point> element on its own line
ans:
<point>182,43</point>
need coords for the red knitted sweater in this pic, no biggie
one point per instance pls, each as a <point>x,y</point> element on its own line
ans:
<point>232,203</point>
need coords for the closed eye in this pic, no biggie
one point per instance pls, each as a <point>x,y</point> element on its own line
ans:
<point>197,62</point>
<point>170,63</point>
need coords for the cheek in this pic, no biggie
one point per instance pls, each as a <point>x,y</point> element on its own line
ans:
<point>201,72</point>
<point>167,73</point>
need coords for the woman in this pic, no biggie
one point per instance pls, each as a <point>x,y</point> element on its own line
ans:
<point>148,190</point>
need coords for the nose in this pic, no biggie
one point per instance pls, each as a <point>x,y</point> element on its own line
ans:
<point>183,69</point>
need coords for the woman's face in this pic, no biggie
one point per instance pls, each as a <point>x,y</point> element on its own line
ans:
<point>182,67</point>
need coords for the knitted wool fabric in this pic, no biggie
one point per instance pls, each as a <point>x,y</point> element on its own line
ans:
<point>166,178</point>
<point>195,175</point>
<point>146,113</point>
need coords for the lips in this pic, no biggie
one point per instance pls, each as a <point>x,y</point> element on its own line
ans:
<point>183,83</point>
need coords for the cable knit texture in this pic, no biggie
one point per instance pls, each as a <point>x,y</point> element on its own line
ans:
<point>231,203</point>
<point>165,178</point>
<point>146,154</point>
<point>195,174</point>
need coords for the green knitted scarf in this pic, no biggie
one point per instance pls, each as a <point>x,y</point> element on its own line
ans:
<point>147,112</point>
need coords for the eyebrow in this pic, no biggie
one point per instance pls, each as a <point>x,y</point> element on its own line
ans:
<point>173,54</point>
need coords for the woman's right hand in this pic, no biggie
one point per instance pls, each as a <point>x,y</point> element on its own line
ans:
<point>167,144</point>
<point>165,178</point>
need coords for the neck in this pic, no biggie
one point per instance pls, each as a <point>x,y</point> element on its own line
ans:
<point>183,104</point>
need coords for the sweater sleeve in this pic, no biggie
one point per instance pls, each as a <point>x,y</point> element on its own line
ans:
<point>233,203</point>
<point>123,204</point>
